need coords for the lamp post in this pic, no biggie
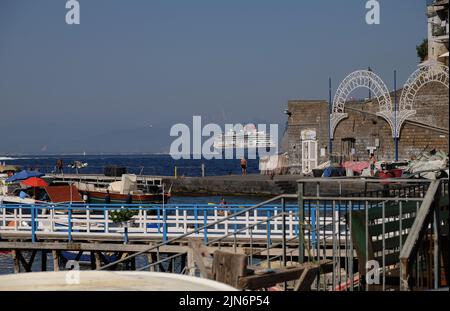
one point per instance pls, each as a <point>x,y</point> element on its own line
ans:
<point>330,110</point>
<point>396,134</point>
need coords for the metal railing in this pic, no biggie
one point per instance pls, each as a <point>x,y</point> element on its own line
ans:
<point>79,221</point>
<point>349,229</point>
<point>376,230</point>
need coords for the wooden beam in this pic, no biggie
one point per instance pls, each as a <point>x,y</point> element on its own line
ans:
<point>306,279</point>
<point>15,256</point>
<point>201,254</point>
<point>275,277</point>
<point>44,260</point>
<point>271,279</point>
<point>55,255</point>
<point>98,261</point>
<point>229,268</point>
<point>417,232</point>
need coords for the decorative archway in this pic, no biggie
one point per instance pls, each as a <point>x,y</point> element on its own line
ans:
<point>432,72</point>
<point>361,78</point>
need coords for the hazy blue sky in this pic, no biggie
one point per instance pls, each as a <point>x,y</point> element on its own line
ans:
<point>132,68</point>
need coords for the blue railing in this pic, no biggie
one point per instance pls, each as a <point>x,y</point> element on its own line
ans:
<point>158,220</point>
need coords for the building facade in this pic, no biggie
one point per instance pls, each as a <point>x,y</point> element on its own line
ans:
<point>438,30</point>
<point>363,132</point>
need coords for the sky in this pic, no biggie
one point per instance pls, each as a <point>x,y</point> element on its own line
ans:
<point>133,68</point>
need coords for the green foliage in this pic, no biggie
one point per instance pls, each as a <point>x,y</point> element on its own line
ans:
<point>121,215</point>
<point>422,50</point>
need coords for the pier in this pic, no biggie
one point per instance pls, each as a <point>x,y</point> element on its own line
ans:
<point>229,185</point>
<point>403,228</point>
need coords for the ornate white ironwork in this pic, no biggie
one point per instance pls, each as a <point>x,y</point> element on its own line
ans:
<point>357,79</point>
<point>431,72</point>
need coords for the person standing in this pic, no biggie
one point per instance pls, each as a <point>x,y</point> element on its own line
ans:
<point>372,161</point>
<point>107,198</point>
<point>222,207</point>
<point>244,166</point>
<point>59,166</point>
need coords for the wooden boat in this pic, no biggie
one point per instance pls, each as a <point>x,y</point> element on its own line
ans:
<point>124,191</point>
<point>56,194</point>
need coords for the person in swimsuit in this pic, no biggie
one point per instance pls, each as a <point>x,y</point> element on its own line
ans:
<point>372,162</point>
<point>244,166</point>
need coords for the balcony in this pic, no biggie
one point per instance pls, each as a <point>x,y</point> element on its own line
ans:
<point>439,31</point>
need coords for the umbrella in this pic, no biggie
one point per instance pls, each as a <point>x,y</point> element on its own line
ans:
<point>9,168</point>
<point>34,182</point>
<point>22,175</point>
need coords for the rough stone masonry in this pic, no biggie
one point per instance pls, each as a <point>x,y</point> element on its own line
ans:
<point>425,131</point>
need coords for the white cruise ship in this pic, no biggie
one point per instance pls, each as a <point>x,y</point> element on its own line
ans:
<point>249,137</point>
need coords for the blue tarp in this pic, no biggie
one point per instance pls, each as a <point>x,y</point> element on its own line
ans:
<point>24,175</point>
<point>327,172</point>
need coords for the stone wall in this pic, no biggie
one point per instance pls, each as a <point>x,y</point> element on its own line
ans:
<point>431,104</point>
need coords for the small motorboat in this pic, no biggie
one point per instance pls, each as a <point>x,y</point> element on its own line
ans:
<point>125,191</point>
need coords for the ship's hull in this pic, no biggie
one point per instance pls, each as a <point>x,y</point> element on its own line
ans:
<point>98,197</point>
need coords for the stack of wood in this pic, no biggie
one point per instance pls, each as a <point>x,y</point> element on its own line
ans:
<point>232,269</point>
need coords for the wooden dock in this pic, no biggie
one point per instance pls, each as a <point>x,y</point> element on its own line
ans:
<point>230,185</point>
<point>319,237</point>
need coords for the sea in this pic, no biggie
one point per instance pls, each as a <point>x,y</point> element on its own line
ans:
<point>146,164</point>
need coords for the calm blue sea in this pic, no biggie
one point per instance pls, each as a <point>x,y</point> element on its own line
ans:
<point>162,165</point>
<point>136,164</point>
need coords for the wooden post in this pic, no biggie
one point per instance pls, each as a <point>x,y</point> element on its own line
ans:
<point>190,263</point>
<point>201,255</point>
<point>98,262</point>
<point>92,257</point>
<point>150,261</point>
<point>15,257</point>
<point>55,255</point>
<point>133,264</point>
<point>44,260</point>
<point>228,268</point>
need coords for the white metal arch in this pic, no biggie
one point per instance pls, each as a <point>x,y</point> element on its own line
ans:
<point>361,78</point>
<point>425,74</point>
<point>432,72</point>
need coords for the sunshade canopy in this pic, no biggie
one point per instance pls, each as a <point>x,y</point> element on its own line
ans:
<point>9,168</point>
<point>34,182</point>
<point>22,175</point>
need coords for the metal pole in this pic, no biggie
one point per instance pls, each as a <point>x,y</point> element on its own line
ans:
<point>33,223</point>
<point>283,210</point>
<point>70,222</point>
<point>301,220</point>
<point>330,108</point>
<point>395,116</point>
<point>436,249</point>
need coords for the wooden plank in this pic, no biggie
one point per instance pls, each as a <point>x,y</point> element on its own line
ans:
<point>229,268</point>
<point>254,282</point>
<point>277,276</point>
<point>417,232</point>
<point>44,260</point>
<point>55,255</point>
<point>15,257</point>
<point>306,279</point>
<point>104,247</point>
<point>98,261</point>
<point>201,255</point>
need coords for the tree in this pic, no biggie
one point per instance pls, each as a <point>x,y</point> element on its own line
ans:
<point>422,50</point>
